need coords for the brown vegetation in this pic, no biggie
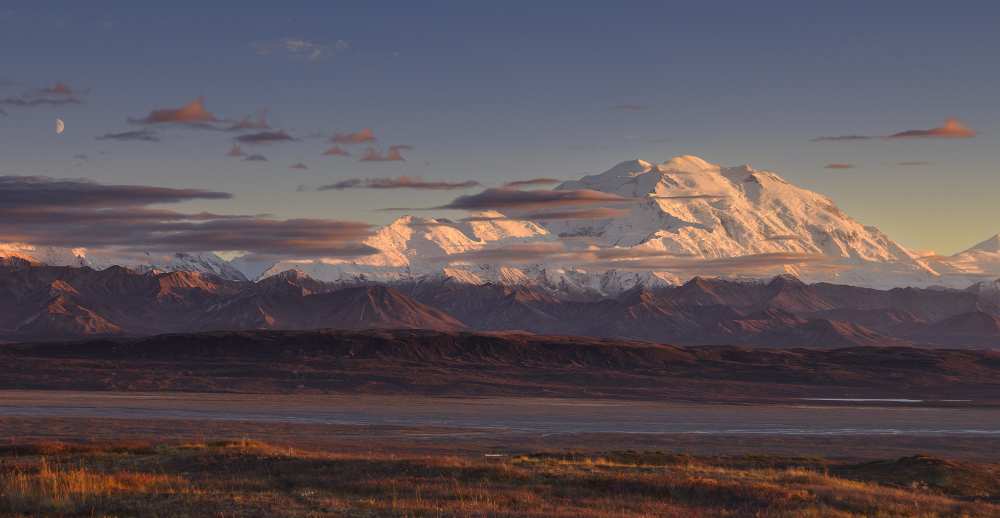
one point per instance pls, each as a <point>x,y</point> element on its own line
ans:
<point>249,478</point>
<point>406,361</point>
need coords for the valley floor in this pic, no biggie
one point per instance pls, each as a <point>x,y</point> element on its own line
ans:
<point>250,478</point>
<point>187,454</point>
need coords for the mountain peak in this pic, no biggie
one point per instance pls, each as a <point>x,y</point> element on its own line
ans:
<point>688,164</point>
<point>628,168</point>
<point>990,245</point>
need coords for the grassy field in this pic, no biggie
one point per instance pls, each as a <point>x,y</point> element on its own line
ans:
<point>249,478</point>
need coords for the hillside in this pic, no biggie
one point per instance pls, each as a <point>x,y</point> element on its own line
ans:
<point>40,302</point>
<point>463,363</point>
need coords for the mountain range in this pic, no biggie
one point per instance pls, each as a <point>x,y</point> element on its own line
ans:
<point>674,221</point>
<point>39,302</point>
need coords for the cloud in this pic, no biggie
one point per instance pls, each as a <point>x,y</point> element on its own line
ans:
<point>513,253</point>
<point>914,163</point>
<point>251,122</point>
<point>300,48</point>
<point>80,156</point>
<point>42,191</point>
<point>255,158</point>
<point>59,88</point>
<point>143,135</point>
<point>630,107</point>
<point>81,213</point>
<point>357,137</point>
<point>392,155</point>
<point>265,137</point>
<point>298,165</point>
<point>336,150</point>
<point>596,213</point>
<point>842,138</point>
<point>838,165</point>
<point>192,113</point>
<point>24,102</point>
<point>402,182</point>
<point>530,183</point>
<point>511,199</point>
<point>690,196</point>
<point>235,150</point>
<point>741,265</point>
<point>952,128</point>
<point>629,259</point>
<point>58,94</point>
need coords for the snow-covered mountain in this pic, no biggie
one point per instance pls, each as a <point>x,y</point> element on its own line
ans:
<point>982,261</point>
<point>202,262</point>
<point>685,208</point>
<point>684,217</point>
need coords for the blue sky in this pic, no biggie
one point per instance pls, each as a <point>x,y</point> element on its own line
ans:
<point>517,90</point>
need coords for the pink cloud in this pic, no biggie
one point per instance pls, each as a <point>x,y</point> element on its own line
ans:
<point>393,154</point>
<point>953,128</point>
<point>357,137</point>
<point>336,150</point>
<point>193,112</point>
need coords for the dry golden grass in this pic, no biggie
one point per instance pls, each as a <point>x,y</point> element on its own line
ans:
<point>45,488</point>
<point>249,478</point>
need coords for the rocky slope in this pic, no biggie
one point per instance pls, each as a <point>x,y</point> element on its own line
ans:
<point>45,302</point>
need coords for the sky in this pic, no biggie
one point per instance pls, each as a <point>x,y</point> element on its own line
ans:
<point>472,93</point>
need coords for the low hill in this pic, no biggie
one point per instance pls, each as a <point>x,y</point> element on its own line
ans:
<point>466,363</point>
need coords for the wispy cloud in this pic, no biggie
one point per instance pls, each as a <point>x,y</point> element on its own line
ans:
<point>252,122</point>
<point>356,137</point>
<point>838,165</point>
<point>695,196</point>
<point>58,94</point>
<point>255,158</point>
<point>336,150</point>
<point>842,138</point>
<point>235,150</point>
<point>595,213</point>
<point>81,213</point>
<point>265,137</point>
<point>393,154</point>
<point>402,182</point>
<point>528,200</point>
<point>40,191</point>
<point>143,135</point>
<point>300,48</point>
<point>914,163</point>
<point>638,259</point>
<point>534,182</point>
<point>952,128</point>
<point>298,165</point>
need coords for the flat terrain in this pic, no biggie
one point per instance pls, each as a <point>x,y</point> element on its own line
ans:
<point>250,478</point>
<point>188,454</point>
<point>423,423</point>
<point>511,416</point>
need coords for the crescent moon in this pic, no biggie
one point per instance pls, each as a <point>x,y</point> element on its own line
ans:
<point>60,126</point>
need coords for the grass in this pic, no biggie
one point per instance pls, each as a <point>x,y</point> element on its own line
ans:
<point>249,478</point>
